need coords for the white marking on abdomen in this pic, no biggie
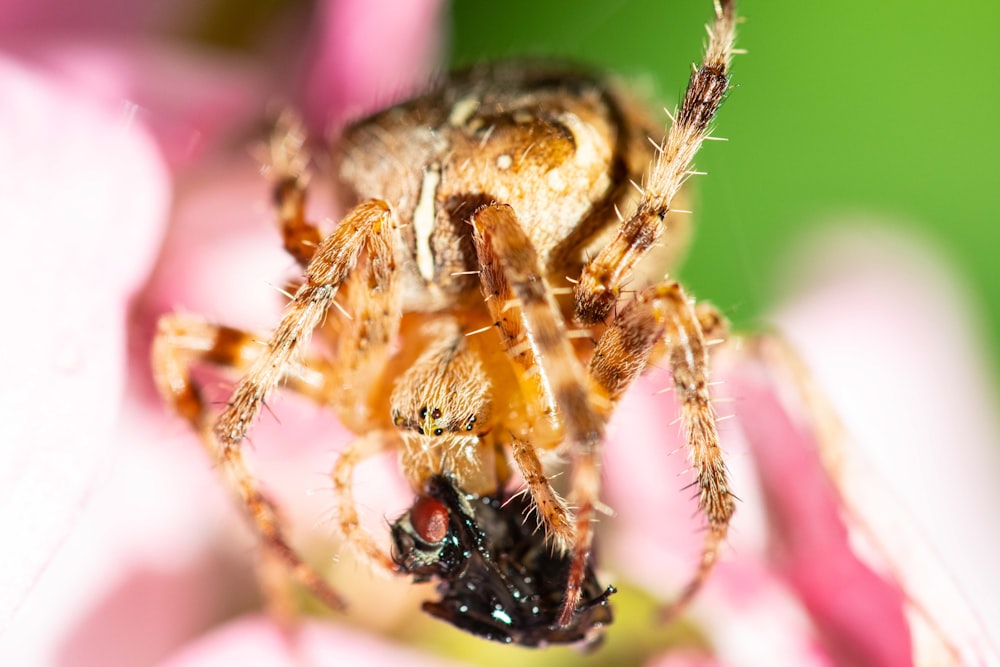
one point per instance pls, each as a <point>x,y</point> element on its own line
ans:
<point>424,216</point>
<point>463,110</point>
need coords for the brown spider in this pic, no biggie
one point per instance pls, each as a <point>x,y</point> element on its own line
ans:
<point>499,185</point>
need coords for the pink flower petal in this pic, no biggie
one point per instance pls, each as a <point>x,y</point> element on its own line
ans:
<point>191,101</point>
<point>85,198</point>
<point>97,16</point>
<point>222,257</point>
<point>258,641</point>
<point>368,54</point>
<point>903,366</point>
<point>858,613</point>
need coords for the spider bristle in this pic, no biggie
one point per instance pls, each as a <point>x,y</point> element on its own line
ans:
<point>579,333</point>
<point>604,508</point>
<point>479,330</point>
<point>520,349</point>
<point>281,290</point>
<point>343,311</point>
<point>267,406</point>
<point>509,305</point>
<point>486,135</point>
<point>523,490</point>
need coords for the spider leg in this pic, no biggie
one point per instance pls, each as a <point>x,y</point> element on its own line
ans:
<point>183,341</point>
<point>370,296</point>
<point>367,228</point>
<point>629,340</point>
<point>508,316</point>
<point>507,256</point>
<point>287,169</point>
<point>552,510</point>
<point>662,313</point>
<point>602,279</point>
<point>364,329</point>
<point>349,524</point>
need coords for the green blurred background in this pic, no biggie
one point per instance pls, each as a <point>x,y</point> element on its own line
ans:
<point>883,108</point>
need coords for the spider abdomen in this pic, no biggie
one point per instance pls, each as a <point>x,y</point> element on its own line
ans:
<point>559,146</point>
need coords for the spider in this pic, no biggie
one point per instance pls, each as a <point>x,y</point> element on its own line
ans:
<point>484,320</point>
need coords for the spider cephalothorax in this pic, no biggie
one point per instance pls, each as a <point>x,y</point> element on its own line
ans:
<point>480,275</point>
<point>442,406</point>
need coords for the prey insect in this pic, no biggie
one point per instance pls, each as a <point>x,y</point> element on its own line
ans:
<point>470,313</point>
<point>498,578</point>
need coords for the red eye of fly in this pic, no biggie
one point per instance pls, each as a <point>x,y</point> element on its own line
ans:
<point>430,519</point>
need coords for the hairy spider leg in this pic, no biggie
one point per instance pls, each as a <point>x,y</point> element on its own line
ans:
<point>363,269</point>
<point>287,169</point>
<point>366,229</point>
<point>662,314</point>
<point>523,348</point>
<point>348,522</point>
<point>369,297</point>
<point>602,279</point>
<point>184,341</point>
<point>365,237</point>
<point>501,243</point>
<point>659,314</point>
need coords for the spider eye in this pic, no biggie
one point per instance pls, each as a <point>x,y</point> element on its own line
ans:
<point>436,413</point>
<point>438,431</point>
<point>468,427</point>
<point>423,413</point>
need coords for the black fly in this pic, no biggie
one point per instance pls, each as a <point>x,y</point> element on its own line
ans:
<point>498,579</point>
